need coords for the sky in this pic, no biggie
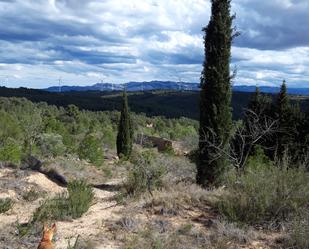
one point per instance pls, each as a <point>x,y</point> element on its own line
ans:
<point>88,41</point>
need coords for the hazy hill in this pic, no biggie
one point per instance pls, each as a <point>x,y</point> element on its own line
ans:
<point>166,85</point>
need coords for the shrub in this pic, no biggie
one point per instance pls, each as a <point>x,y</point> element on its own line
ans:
<point>185,236</point>
<point>64,206</point>
<point>169,150</point>
<point>264,195</point>
<point>31,195</point>
<point>146,174</point>
<point>80,198</point>
<point>51,145</point>
<point>299,231</point>
<point>5,205</point>
<point>80,243</point>
<point>91,149</point>
<point>178,198</point>
<point>10,152</point>
<point>52,209</point>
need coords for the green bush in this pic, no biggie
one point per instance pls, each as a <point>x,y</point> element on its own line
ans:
<point>5,205</point>
<point>51,145</point>
<point>264,194</point>
<point>10,152</point>
<point>91,149</point>
<point>52,209</point>
<point>146,174</point>
<point>80,198</point>
<point>64,206</point>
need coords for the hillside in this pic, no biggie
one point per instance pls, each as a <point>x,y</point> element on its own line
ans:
<point>150,201</point>
<point>171,104</point>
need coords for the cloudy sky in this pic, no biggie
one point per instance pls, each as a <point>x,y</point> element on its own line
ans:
<point>86,41</point>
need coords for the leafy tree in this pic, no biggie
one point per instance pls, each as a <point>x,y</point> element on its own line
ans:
<point>32,125</point>
<point>91,149</point>
<point>215,95</point>
<point>9,127</point>
<point>73,111</point>
<point>10,152</point>
<point>125,131</point>
<point>51,144</point>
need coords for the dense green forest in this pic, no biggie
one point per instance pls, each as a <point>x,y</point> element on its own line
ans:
<point>170,104</point>
<point>49,131</point>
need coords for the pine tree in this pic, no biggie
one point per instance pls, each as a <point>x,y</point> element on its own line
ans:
<point>215,95</point>
<point>125,131</point>
<point>283,102</point>
<point>284,113</point>
<point>255,102</point>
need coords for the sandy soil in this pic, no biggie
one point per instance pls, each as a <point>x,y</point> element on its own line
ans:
<point>90,226</point>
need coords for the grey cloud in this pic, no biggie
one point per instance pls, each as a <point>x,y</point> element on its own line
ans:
<point>271,24</point>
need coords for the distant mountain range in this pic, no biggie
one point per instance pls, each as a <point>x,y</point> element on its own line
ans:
<point>166,85</point>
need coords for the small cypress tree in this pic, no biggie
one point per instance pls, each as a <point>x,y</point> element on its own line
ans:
<point>215,95</point>
<point>125,131</point>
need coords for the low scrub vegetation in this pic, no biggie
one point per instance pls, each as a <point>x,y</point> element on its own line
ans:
<point>174,200</point>
<point>31,195</point>
<point>145,175</point>
<point>298,233</point>
<point>5,205</point>
<point>65,206</point>
<point>79,243</point>
<point>159,234</point>
<point>264,194</point>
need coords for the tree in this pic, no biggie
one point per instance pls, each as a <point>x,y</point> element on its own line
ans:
<point>283,102</point>
<point>215,95</point>
<point>284,112</point>
<point>125,131</point>
<point>258,119</point>
<point>91,149</point>
<point>32,126</point>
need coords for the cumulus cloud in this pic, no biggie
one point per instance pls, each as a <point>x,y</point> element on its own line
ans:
<point>119,40</point>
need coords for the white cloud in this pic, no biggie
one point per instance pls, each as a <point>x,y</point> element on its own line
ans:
<point>121,40</point>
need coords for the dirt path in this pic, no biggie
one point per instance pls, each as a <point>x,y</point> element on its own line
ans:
<point>92,225</point>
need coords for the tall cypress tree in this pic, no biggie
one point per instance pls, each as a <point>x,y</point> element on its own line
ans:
<point>215,95</point>
<point>125,131</point>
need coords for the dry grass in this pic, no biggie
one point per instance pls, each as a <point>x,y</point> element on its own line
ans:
<point>159,234</point>
<point>178,198</point>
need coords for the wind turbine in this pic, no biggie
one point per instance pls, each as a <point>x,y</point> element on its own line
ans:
<point>6,81</point>
<point>101,85</point>
<point>59,84</point>
<point>179,83</point>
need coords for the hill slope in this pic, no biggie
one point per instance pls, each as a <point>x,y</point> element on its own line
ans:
<point>172,104</point>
